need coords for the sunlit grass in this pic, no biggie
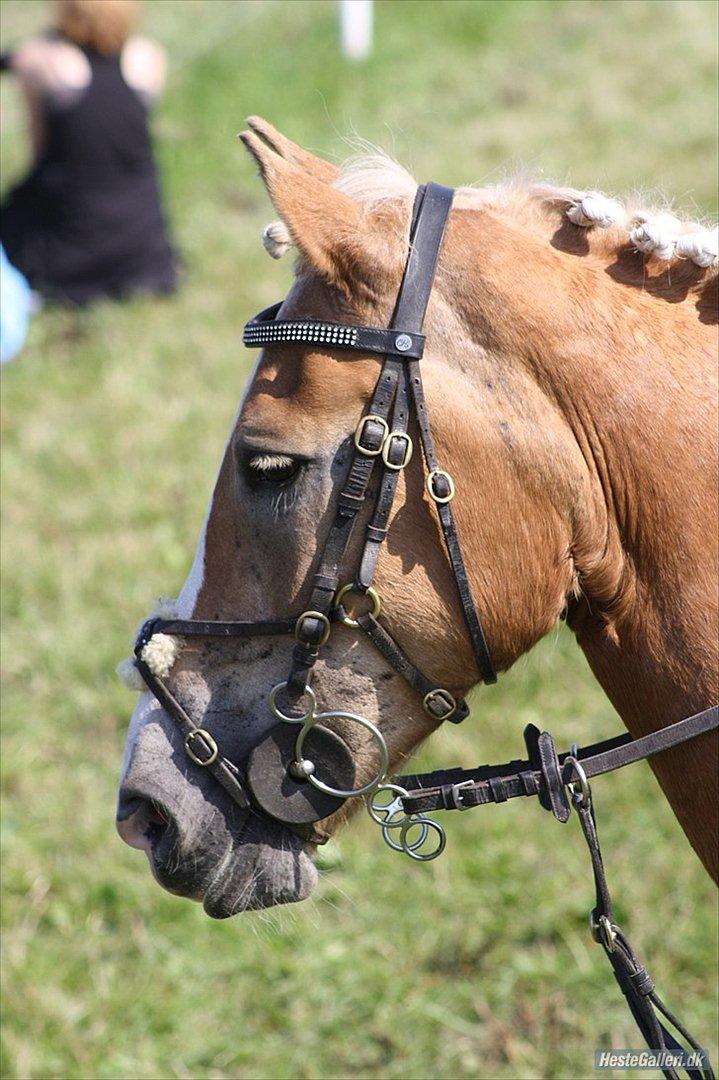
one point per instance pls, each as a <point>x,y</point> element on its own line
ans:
<point>114,420</point>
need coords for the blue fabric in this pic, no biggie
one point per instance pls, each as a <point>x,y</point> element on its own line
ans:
<point>15,300</point>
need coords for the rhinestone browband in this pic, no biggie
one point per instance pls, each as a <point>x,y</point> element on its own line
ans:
<point>325,333</point>
<point>267,329</point>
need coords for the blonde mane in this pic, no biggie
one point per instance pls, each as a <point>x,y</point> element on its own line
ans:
<point>375,178</point>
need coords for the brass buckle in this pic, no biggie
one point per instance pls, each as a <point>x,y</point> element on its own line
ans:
<point>429,484</point>
<point>387,446</point>
<point>342,615</point>
<point>325,633</point>
<point>445,697</point>
<point>359,432</point>
<point>209,743</point>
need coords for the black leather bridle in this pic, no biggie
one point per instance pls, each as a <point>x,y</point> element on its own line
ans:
<point>303,771</point>
<point>296,794</point>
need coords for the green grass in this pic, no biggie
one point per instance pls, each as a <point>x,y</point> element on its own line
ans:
<point>478,965</point>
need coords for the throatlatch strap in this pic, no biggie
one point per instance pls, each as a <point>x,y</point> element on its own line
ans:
<point>395,656</point>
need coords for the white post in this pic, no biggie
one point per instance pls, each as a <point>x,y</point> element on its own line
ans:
<point>356,28</point>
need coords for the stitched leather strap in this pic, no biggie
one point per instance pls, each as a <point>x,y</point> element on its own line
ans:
<point>646,1006</point>
<point>451,535</point>
<point>463,789</point>
<point>394,655</point>
<point>247,628</point>
<point>222,769</point>
<point>401,345</point>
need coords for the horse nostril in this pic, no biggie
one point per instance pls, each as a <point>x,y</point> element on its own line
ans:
<point>140,822</point>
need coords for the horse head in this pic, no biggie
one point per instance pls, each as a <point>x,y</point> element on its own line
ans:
<point>526,304</point>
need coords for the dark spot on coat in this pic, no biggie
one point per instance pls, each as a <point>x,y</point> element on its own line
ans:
<point>507,436</point>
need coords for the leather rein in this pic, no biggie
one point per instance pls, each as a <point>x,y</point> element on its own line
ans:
<point>303,771</point>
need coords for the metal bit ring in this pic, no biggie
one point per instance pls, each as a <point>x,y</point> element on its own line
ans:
<point>415,845</point>
<point>305,718</point>
<point>342,793</point>
<point>390,809</point>
<point>411,849</point>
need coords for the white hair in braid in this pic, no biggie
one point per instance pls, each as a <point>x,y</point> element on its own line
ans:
<point>659,233</point>
<point>593,208</point>
<point>656,234</point>
<point>701,246</point>
<point>276,239</point>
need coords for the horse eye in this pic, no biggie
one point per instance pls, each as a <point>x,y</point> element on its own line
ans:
<point>271,469</point>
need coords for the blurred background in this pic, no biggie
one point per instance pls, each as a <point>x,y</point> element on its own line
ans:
<point>115,417</point>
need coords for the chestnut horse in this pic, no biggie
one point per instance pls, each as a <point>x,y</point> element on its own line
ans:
<point>570,376</point>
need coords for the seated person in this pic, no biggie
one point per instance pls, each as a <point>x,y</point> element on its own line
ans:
<point>87,221</point>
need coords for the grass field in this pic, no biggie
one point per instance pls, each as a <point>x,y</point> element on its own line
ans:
<point>478,965</point>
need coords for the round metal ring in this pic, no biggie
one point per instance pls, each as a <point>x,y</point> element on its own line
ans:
<point>396,845</point>
<point>342,793</point>
<point>344,591</point>
<point>375,810</point>
<point>292,719</point>
<point>411,849</point>
<point>209,742</point>
<point>429,482</point>
<point>579,789</point>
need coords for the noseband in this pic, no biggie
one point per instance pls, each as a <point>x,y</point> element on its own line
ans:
<point>303,771</point>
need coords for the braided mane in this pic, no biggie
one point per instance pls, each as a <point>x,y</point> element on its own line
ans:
<point>603,224</point>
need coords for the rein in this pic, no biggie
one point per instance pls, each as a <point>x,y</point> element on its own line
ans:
<point>303,771</point>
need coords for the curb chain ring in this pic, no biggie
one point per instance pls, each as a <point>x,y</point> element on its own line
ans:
<point>390,816</point>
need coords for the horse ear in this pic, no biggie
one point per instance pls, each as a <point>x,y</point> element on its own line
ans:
<point>322,221</point>
<point>290,151</point>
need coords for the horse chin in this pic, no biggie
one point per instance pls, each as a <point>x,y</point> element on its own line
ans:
<point>216,854</point>
<point>268,868</point>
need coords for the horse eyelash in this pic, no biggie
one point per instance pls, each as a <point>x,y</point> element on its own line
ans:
<point>268,463</point>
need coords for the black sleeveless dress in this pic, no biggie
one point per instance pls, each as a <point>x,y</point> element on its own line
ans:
<point>87,221</point>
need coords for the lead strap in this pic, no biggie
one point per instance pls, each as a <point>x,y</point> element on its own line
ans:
<point>634,980</point>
